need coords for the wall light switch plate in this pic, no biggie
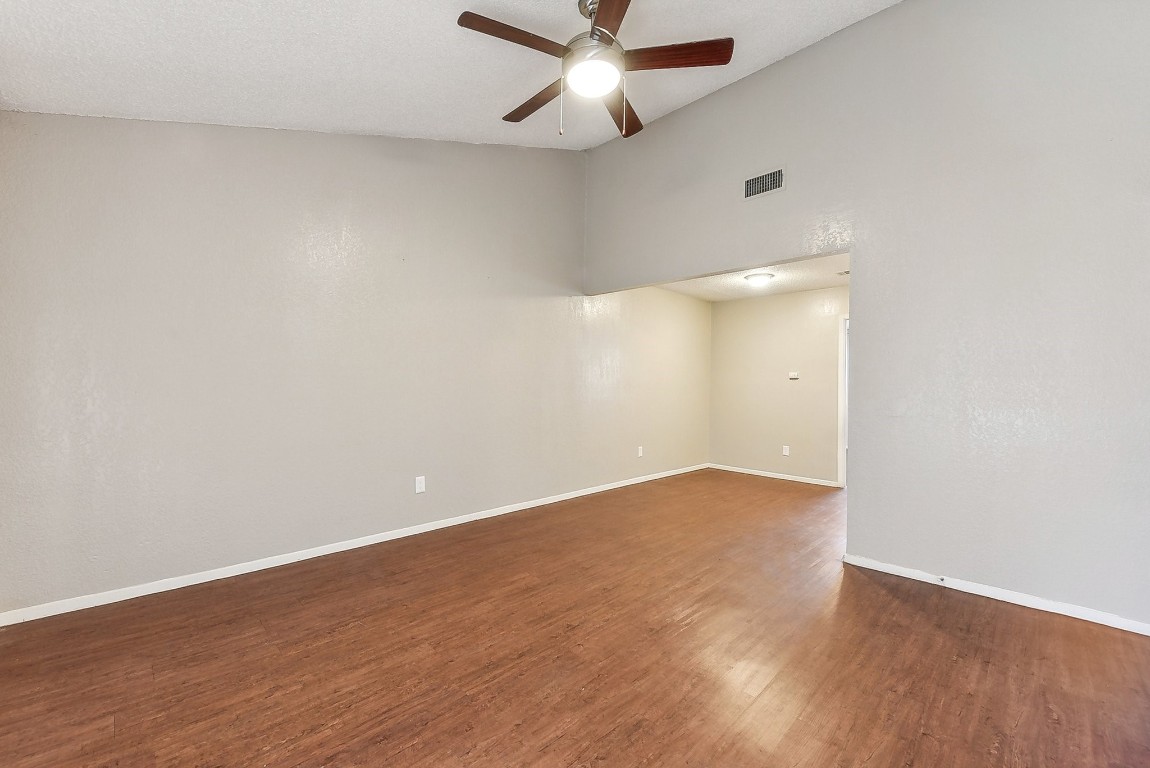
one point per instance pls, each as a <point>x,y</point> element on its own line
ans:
<point>786,450</point>
<point>420,484</point>
<point>640,451</point>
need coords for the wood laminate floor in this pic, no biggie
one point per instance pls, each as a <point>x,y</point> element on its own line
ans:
<point>700,620</point>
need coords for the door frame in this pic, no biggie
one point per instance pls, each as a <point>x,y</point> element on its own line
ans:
<point>844,395</point>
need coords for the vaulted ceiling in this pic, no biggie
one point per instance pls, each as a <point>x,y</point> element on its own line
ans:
<point>371,66</point>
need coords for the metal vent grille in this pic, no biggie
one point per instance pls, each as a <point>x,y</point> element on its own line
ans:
<point>768,182</point>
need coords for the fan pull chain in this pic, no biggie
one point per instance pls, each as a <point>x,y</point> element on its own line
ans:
<point>562,87</point>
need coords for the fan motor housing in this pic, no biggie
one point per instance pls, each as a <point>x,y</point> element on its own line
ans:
<point>585,47</point>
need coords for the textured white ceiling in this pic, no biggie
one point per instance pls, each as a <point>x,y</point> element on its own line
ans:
<point>370,66</point>
<point>805,275</point>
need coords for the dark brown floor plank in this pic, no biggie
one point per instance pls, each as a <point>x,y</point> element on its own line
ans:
<point>699,620</point>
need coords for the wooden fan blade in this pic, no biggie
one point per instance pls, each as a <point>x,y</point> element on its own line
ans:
<point>610,15</point>
<point>616,105</point>
<point>705,53</point>
<point>536,102</point>
<point>487,26</point>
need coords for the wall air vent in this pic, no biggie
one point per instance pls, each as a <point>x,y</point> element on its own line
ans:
<point>768,182</point>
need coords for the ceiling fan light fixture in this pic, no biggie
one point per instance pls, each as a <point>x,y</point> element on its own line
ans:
<point>593,78</point>
<point>594,63</point>
<point>593,68</point>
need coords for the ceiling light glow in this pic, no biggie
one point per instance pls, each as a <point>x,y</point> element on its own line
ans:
<point>593,68</point>
<point>593,78</point>
<point>759,279</point>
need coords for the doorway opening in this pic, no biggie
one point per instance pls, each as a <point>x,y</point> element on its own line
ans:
<point>779,368</point>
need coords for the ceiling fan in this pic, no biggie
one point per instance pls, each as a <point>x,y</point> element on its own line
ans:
<point>594,62</point>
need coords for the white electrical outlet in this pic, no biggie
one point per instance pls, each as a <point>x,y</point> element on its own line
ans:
<point>786,450</point>
<point>420,484</point>
<point>640,451</point>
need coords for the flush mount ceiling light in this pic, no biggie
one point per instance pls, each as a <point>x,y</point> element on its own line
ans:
<point>759,279</point>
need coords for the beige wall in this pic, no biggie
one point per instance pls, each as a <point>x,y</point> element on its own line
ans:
<point>987,163</point>
<point>755,408</point>
<point>223,344</point>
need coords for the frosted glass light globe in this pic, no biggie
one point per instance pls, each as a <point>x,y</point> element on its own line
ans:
<point>593,78</point>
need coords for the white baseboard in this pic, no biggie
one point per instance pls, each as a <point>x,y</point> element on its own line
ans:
<point>163,585</point>
<point>776,475</point>
<point>1005,595</point>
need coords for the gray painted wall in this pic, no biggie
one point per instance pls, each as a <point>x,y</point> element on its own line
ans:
<point>987,163</point>
<point>223,344</point>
